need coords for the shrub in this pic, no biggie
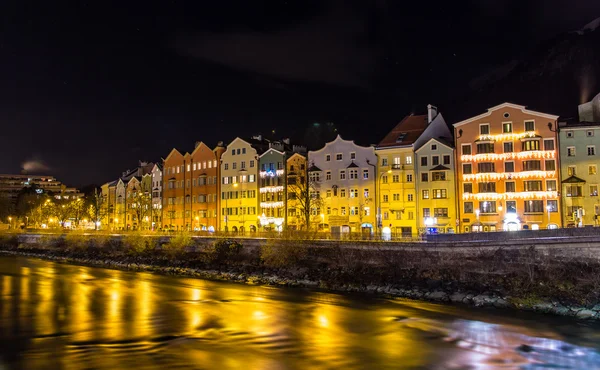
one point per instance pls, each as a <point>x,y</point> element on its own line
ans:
<point>283,252</point>
<point>223,250</point>
<point>178,243</point>
<point>76,240</point>
<point>137,243</point>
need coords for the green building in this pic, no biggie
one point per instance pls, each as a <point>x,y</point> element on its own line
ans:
<point>579,144</point>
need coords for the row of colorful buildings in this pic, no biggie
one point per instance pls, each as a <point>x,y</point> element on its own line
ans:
<point>509,168</point>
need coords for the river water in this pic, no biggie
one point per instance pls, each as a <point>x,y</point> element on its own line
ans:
<point>55,316</point>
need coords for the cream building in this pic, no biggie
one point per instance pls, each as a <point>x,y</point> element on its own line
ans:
<point>342,175</point>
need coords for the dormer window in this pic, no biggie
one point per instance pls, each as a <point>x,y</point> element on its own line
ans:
<point>401,137</point>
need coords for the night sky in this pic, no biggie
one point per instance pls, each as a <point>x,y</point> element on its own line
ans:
<point>89,87</point>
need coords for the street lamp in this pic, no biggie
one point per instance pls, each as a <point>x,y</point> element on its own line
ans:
<point>197,221</point>
<point>10,222</point>
<point>549,208</point>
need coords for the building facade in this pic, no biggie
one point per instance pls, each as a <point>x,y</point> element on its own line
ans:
<point>239,187</point>
<point>579,144</point>
<point>396,176</point>
<point>436,187</point>
<point>157,203</point>
<point>297,195</point>
<point>204,171</point>
<point>341,177</point>
<point>507,170</point>
<point>272,190</point>
<point>173,192</point>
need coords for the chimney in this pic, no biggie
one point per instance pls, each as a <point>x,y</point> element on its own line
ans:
<point>220,144</point>
<point>431,112</point>
<point>196,145</point>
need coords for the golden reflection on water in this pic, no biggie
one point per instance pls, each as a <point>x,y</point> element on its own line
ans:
<point>106,319</point>
<point>80,301</point>
<point>143,312</point>
<point>114,325</point>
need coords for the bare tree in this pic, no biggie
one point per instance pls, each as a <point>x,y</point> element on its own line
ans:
<point>139,203</point>
<point>304,194</point>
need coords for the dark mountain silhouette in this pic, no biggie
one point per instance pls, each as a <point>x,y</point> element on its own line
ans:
<point>554,78</point>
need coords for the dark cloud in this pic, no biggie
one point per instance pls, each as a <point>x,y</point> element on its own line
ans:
<point>331,48</point>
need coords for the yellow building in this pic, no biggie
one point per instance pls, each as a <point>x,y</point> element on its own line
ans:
<point>396,176</point>
<point>298,211</point>
<point>436,187</point>
<point>239,185</point>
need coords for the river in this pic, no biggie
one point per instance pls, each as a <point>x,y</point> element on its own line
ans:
<point>58,316</point>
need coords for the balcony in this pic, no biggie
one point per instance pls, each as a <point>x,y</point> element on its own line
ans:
<point>396,166</point>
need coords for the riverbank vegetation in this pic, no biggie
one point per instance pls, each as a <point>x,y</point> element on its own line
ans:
<point>525,277</point>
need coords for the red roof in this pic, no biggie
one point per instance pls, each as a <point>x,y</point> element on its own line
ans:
<point>406,132</point>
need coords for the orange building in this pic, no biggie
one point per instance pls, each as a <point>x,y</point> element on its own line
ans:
<point>191,188</point>
<point>507,170</point>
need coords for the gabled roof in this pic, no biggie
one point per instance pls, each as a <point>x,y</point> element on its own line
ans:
<point>334,141</point>
<point>313,168</point>
<point>442,140</point>
<point>439,167</point>
<point>522,108</point>
<point>296,154</point>
<point>352,165</point>
<point>406,132</point>
<point>573,180</point>
<point>173,151</point>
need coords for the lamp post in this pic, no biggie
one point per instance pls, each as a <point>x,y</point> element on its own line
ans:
<point>323,221</point>
<point>548,208</point>
<point>477,216</point>
<point>9,222</point>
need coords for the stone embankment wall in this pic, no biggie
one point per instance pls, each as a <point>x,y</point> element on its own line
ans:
<point>546,275</point>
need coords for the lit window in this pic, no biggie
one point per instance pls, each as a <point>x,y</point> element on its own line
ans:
<point>570,151</point>
<point>507,128</point>
<point>594,190</point>
<point>408,159</point>
<point>425,194</point>
<point>592,169</point>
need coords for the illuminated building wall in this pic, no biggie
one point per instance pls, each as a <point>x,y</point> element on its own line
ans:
<point>157,184</point>
<point>436,187</point>
<point>508,170</point>
<point>202,187</point>
<point>579,145</point>
<point>397,197</point>
<point>173,192</point>
<point>190,189</point>
<point>272,190</point>
<point>120,218</point>
<point>296,187</point>
<point>239,187</point>
<point>343,176</point>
